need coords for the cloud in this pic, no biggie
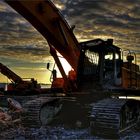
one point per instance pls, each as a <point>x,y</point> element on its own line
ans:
<point>104,19</point>
<point>60,4</point>
<point>18,39</point>
<point>117,19</point>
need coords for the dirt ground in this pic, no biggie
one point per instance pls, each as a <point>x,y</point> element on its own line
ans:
<point>58,133</point>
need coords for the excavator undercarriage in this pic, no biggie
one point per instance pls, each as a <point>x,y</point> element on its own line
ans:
<point>111,117</point>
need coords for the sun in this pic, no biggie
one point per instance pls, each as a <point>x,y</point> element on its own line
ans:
<point>66,66</point>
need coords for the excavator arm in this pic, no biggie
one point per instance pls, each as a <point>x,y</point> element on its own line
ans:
<point>47,19</point>
<point>10,74</point>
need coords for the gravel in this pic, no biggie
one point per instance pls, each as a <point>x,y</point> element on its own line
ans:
<point>57,133</point>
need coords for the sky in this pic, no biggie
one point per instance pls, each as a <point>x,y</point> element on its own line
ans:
<point>26,52</point>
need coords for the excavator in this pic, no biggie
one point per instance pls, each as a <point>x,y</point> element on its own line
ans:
<point>18,83</point>
<point>100,74</point>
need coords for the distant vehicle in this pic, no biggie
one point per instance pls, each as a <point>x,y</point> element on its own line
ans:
<point>17,83</point>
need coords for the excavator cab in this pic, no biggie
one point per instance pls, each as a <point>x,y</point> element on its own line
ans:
<point>100,62</point>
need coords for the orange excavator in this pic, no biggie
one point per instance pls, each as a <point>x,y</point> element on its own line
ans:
<point>100,74</point>
<point>17,83</point>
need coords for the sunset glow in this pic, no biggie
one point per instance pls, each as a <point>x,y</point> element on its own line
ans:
<point>26,52</point>
<point>65,65</point>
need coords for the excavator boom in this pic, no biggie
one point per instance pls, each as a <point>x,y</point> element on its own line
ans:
<point>46,18</point>
<point>10,74</point>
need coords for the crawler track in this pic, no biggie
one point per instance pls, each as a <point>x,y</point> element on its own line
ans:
<point>40,111</point>
<point>110,117</point>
